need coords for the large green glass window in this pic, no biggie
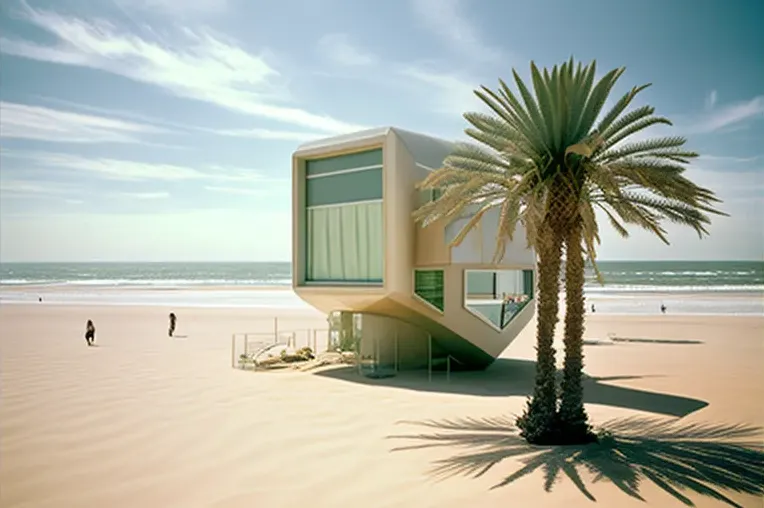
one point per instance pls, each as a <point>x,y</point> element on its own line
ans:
<point>428,285</point>
<point>344,223</point>
<point>345,243</point>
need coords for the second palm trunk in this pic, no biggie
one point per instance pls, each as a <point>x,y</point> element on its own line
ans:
<point>574,425</point>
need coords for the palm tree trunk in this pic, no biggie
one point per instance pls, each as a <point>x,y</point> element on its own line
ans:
<point>573,419</point>
<point>538,424</point>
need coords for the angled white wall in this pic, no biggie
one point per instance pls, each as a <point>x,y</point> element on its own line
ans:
<point>479,245</point>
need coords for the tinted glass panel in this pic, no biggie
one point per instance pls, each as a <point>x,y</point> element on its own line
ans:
<point>428,285</point>
<point>344,188</point>
<point>350,161</point>
<point>497,296</point>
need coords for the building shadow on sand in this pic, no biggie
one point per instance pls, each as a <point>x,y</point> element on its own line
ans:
<point>719,461</point>
<point>512,377</point>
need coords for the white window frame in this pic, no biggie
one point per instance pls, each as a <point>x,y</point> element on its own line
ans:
<point>344,171</point>
<point>479,315</point>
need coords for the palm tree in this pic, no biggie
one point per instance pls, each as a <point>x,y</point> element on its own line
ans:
<point>548,162</point>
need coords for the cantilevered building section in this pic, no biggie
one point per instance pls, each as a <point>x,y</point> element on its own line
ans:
<point>396,293</point>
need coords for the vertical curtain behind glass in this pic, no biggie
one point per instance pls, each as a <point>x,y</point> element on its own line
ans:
<point>345,243</point>
<point>528,282</point>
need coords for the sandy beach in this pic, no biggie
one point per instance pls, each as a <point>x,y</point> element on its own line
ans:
<point>144,420</point>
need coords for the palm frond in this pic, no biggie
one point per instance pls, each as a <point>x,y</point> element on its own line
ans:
<point>614,222</point>
<point>637,214</point>
<point>492,132</point>
<point>668,147</point>
<point>506,105</point>
<point>538,154</point>
<point>532,108</point>
<point>674,211</point>
<point>582,82</point>
<point>631,129</point>
<point>618,108</point>
<point>597,99</point>
<point>591,236</point>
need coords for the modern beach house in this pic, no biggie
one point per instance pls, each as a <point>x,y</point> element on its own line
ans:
<point>395,292</point>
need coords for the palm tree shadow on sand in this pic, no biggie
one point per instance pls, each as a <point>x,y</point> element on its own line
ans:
<point>516,377</point>
<point>702,459</point>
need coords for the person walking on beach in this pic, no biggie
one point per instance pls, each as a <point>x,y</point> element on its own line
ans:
<point>593,309</point>
<point>173,319</point>
<point>663,309</point>
<point>90,333</point>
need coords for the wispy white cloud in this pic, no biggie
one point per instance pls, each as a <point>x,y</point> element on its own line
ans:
<point>63,191</point>
<point>243,176</point>
<point>24,190</point>
<point>112,169</point>
<point>23,187</point>
<point>177,7</point>
<point>55,125</point>
<point>244,191</point>
<point>730,184</point>
<point>338,48</point>
<point>269,134</point>
<point>711,100</point>
<point>120,114</point>
<point>193,64</point>
<point>144,195</point>
<point>449,93</point>
<point>135,171</point>
<point>729,115</point>
<point>447,20</point>
<point>162,125</point>
<point>730,159</point>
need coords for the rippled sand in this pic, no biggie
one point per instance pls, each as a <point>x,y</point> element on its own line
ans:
<point>146,421</point>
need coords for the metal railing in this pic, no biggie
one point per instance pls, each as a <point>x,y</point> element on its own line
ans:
<point>255,344</point>
<point>250,346</point>
<point>245,346</point>
<point>449,358</point>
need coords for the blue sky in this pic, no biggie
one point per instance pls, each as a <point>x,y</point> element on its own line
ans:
<point>162,129</point>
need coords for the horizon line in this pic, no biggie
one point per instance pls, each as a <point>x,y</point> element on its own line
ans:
<point>289,261</point>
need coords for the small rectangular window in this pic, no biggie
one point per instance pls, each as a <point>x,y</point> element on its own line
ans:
<point>428,285</point>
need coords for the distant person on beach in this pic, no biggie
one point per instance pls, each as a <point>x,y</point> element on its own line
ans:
<point>39,299</point>
<point>173,319</point>
<point>90,333</point>
<point>663,309</point>
<point>593,309</point>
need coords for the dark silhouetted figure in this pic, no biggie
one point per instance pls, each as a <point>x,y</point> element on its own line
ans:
<point>90,333</point>
<point>39,299</point>
<point>593,309</point>
<point>663,309</point>
<point>173,319</point>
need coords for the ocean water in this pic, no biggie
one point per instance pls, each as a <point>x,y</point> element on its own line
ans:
<point>156,275</point>
<point>678,276</point>
<point>685,287</point>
